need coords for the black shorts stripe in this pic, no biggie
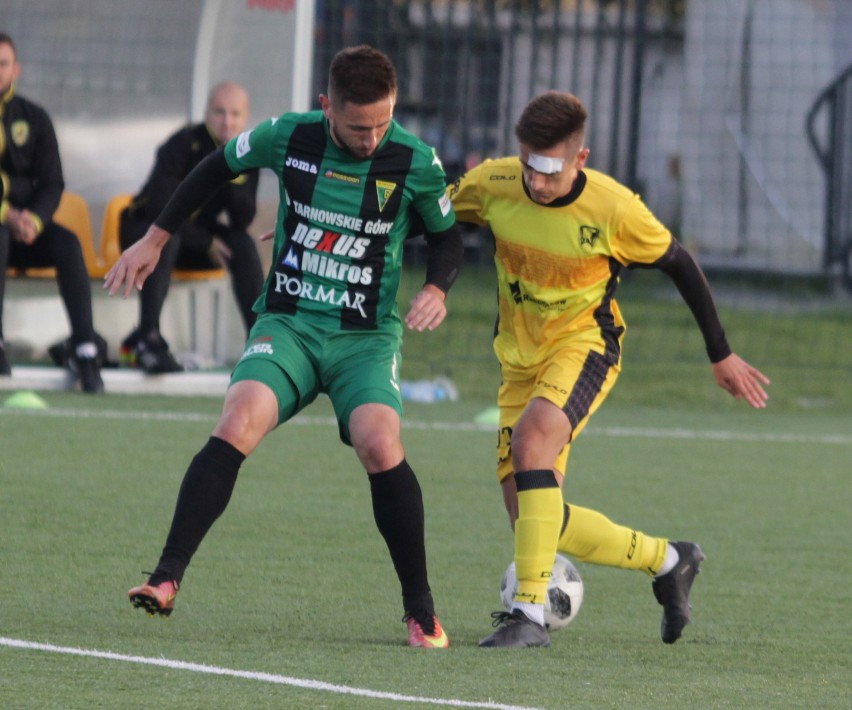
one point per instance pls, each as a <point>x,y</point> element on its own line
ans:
<point>588,386</point>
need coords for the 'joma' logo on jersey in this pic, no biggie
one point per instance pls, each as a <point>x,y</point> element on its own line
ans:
<point>302,165</point>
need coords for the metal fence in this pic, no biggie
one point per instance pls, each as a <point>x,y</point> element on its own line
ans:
<point>683,101</point>
<point>835,155</point>
<point>467,68</point>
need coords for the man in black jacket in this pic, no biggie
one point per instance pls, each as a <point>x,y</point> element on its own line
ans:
<point>31,186</point>
<point>215,236</point>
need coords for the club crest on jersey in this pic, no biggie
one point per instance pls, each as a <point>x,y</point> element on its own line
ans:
<point>384,190</point>
<point>20,131</point>
<point>588,237</point>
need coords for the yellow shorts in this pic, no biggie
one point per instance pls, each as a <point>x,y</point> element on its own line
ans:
<point>576,377</point>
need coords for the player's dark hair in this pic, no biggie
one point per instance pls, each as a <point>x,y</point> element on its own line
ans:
<point>550,119</point>
<point>6,39</point>
<point>361,75</point>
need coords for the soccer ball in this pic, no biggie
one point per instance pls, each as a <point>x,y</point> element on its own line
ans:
<point>564,593</point>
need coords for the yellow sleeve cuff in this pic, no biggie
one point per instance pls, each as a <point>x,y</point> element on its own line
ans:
<point>38,223</point>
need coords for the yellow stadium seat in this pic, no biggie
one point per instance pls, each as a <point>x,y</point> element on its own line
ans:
<point>73,214</point>
<point>111,248</point>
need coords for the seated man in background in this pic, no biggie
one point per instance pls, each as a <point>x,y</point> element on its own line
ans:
<point>31,186</point>
<point>213,237</point>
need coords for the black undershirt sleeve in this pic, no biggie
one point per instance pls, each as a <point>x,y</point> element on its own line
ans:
<point>677,263</point>
<point>195,190</point>
<point>445,257</point>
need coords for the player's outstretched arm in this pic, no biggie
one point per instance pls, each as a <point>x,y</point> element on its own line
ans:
<point>136,263</point>
<point>428,309</point>
<point>741,380</point>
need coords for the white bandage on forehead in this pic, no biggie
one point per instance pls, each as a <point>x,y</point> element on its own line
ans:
<point>544,165</point>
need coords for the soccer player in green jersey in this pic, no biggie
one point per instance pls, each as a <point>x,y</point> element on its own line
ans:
<point>563,234</point>
<point>351,182</point>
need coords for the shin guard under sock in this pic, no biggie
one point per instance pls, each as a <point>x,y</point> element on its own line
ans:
<point>398,511</point>
<point>536,532</point>
<point>204,495</point>
<point>590,536</point>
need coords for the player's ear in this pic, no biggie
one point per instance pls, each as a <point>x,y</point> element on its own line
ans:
<point>325,104</point>
<point>582,157</point>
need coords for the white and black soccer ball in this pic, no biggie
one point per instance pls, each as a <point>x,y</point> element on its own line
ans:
<point>564,593</point>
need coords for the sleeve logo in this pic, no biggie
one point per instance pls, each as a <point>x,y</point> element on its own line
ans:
<point>243,146</point>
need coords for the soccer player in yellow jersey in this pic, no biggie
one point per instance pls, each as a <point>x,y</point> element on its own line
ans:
<point>563,234</point>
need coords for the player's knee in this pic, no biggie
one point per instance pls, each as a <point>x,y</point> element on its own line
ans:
<point>377,449</point>
<point>245,421</point>
<point>240,432</point>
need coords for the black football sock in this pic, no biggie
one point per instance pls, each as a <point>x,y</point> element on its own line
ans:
<point>203,497</point>
<point>398,511</point>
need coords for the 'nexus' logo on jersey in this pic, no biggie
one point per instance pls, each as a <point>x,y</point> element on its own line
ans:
<point>302,165</point>
<point>588,237</point>
<point>331,242</point>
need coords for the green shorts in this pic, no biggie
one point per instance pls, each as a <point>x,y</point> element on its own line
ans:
<point>298,361</point>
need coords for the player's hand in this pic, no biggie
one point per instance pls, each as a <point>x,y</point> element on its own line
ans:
<point>136,263</point>
<point>427,309</point>
<point>742,380</point>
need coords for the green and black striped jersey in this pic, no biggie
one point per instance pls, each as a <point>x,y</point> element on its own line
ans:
<point>341,220</point>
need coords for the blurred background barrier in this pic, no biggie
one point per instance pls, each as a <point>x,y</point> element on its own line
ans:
<point>732,119</point>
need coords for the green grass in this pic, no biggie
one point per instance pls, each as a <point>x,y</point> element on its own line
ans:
<point>294,580</point>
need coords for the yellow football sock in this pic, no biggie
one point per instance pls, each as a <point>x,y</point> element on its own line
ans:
<point>590,536</point>
<point>540,515</point>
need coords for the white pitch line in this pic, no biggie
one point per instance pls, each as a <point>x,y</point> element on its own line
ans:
<point>612,431</point>
<point>252,675</point>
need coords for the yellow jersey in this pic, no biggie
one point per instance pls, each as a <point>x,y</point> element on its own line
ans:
<point>558,265</point>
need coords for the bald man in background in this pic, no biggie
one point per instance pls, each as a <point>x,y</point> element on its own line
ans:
<point>213,237</point>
